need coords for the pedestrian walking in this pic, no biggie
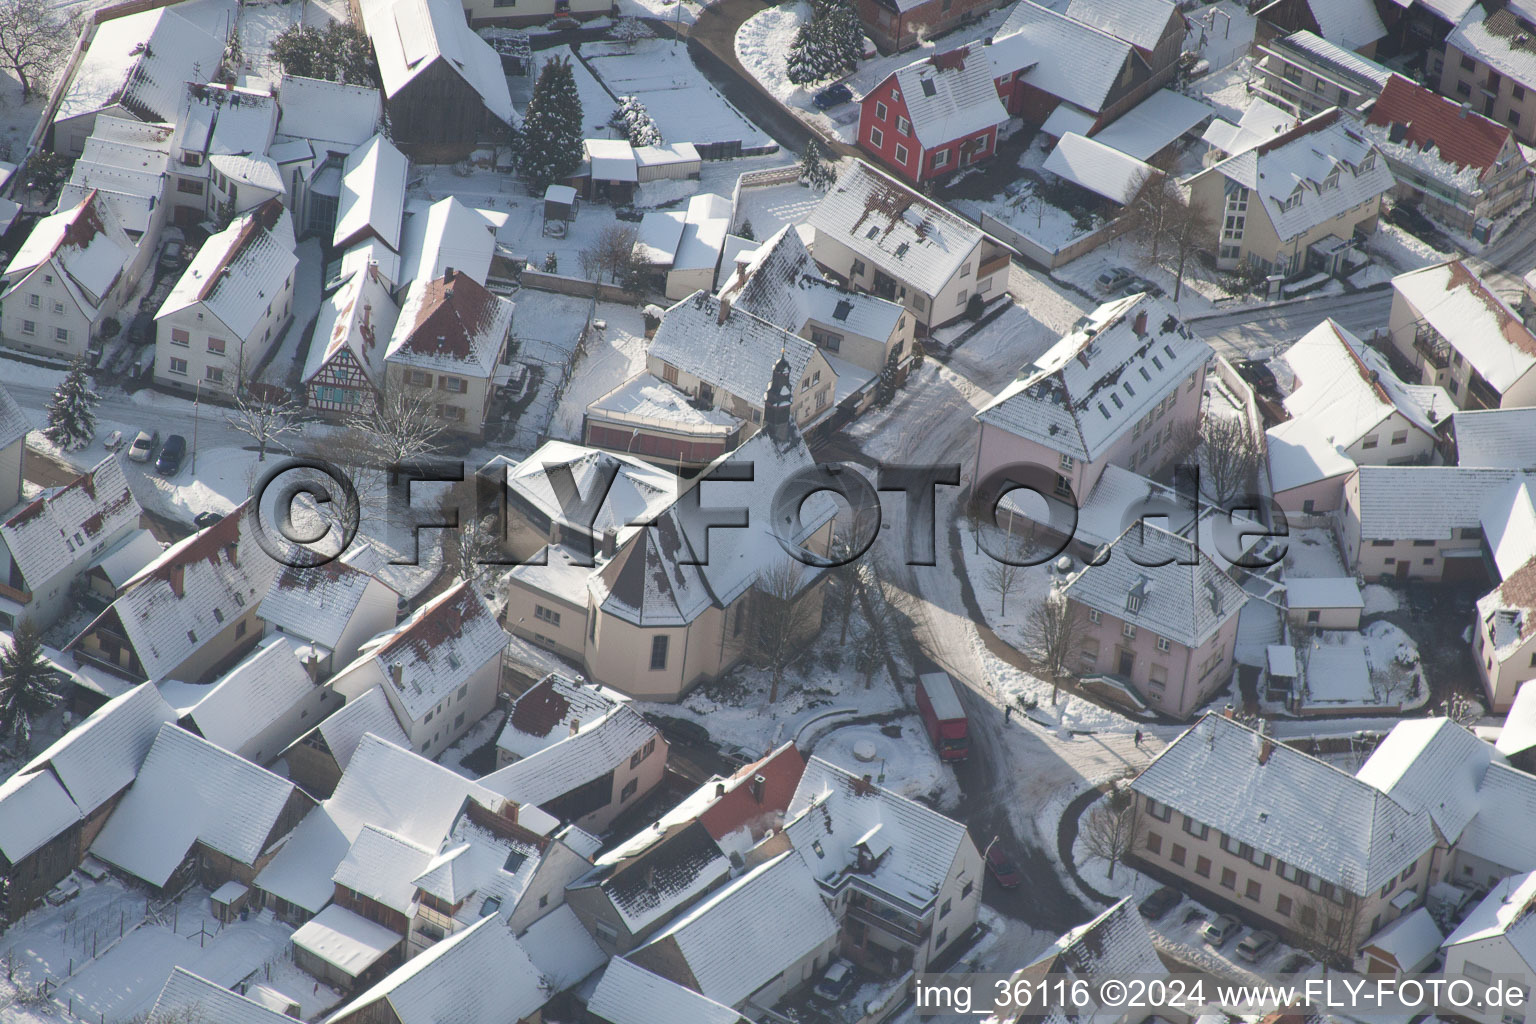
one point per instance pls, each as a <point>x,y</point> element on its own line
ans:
<point>1007,712</point>
<point>1138,737</point>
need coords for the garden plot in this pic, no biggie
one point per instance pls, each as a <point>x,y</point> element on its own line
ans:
<point>684,105</point>
<point>597,103</point>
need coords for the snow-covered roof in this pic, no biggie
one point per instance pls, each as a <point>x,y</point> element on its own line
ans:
<point>610,159</point>
<point>349,942</point>
<point>259,171</point>
<point>142,62</point>
<point>1499,36</point>
<point>1139,22</point>
<point>410,36</point>
<point>1410,940</point>
<point>383,867</point>
<point>33,810</point>
<point>1495,437</point>
<point>950,96</point>
<point>1506,912</point>
<point>841,813</point>
<point>651,883</point>
<point>372,194</point>
<point>561,479</point>
<point>664,153</point>
<point>480,973</point>
<point>358,320</point>
<point>1182,599</point>
<point>1154,124</point>
<point>123,560</point>
<point>593,752</point>
<point>188,997</point>
<point>897,230</point>
<point>63,525</point>
<point>1425,502</point>
<point>1281,660</point>
<point>443,235</point>
<point>705,226</point>
<point>543,714</point>
<point>438,648</point>
<point>1339,65</point>
<point>1323,592</point>
<point>1261,121</point>
<point>1096,383</point>
<point>1116,944</point>
<point>722,943</point>
<point>1346,390</point>
<point>87,245</point>
<point>1503,831</point>
<point>345,116</point>
<point>252,696</point>
<point>1436,136</point>
<point>1473,318</point>
<point>182,600</point>
<point>1519,732</point>
<point>1288,805</point>
<point>646,400</point>
<point>317,603</point>
<point>1099,168</point>
<point>228,120</point>
<point>562,949</point>
<point>728,348</point>
<point>1065,57</point>
<point>101,755</point>
<point>1290,173</point>
<point>191,791</point>
<point>344,729</point>
<point>1431,765</point>
<point>451,324</point>
<point>628,994</point>
<point>1299,454</point>
<point>14,423</point>
<point>1066,118</point>
<point>780,282</point>
<point>1509,525</point>
<point>240,271</point>
<point>660,232</point>
<point>125,160</point>
<point>1352,24</point>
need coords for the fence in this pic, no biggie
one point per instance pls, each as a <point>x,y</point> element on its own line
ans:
<point>762,179</point>
<point>1040,255</point>
<point>578,286</point>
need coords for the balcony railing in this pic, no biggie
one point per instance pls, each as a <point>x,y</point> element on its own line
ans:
<point>1428,343</point>
<point>991,266</point>
<point>1481,394</point>
<point>889,921</point>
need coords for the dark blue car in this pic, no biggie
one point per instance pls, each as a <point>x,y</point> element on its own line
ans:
<point>833,96</point>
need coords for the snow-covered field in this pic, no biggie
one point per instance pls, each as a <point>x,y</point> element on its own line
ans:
<point>771,207</point>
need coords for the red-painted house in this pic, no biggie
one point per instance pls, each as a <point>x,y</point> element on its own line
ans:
<point>934,116</point>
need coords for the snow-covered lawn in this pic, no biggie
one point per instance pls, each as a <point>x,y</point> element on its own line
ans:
<point>1379,600</point>
<point>1312,553</point>
<point>907,762</point>
<point>680,99</point>
<point>611,357</point>
<point>1222,32</point>
<point>1395,252</point>
<point>770,207</point>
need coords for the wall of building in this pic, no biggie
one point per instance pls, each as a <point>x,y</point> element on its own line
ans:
<point>184,359</point>
<point>1502,673</point>
<point>1189,676</point>
<point>55,310</point>
<point>1466,79</point>
<point>461,412</point>
<point>1494,954</point>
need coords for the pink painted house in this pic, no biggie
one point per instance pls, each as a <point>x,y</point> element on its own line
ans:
<point>1115,392</point>
<point>1166,631</point>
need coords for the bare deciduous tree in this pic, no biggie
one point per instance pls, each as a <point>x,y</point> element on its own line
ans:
<point>402,425</point>
<point>1152,208</point>
<point>611,253</point>
<point>1053,638</point>
<point>780,621</point>
<point>1230,453</point>
<point>1327,928</point>
<point>264,420</point>
<point>1190,227</point>
<point>1109,830</point>
<point>34,42</point>
<point>1003,577</point>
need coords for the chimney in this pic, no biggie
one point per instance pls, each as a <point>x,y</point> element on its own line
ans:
<point>397,674</point>
<point>1466,107</point>
<point>312,664</point>
<point>724,313</point>
<point>610,541</point>
<point>759,783</point>
<point>1140,324</point>
<point>176,578</point>
<point>1228,713</point>
<point>448,274</point>
<point>575,726</point>
<point>1266,748</point>
<point>719,790</point>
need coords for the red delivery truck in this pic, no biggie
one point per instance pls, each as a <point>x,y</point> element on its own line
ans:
<point>943,715</point>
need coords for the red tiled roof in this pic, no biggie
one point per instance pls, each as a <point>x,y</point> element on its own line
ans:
<point>740,806</point>
<point>1464,138</point>
<point>455,311</point>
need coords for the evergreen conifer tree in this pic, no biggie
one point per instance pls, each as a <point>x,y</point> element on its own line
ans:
<point>71,419</point>
<point>550,142</point>
<point>27,684</point>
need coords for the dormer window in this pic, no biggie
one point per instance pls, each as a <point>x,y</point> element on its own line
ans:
<point>1137,595</point>
<point>1332,181</point>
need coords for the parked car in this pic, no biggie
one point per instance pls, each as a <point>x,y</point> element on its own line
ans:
<point>1111,279</point>
<point>1257,373</point>
<point>1257,945</point>
<point>1219,931</point>
<point>1160,902</point>
<point>1137,285</point>
<point>835,983</point>
<point>170,256</point>
<point>141,331</point>
<point>144,445</point>
<point>680,730</point>
<point>171,455</point>
<point>833,96</point>
<point>113,441</point>
<point>1003,869</point>
<point>62,893</point>
<point>1294,964</point>
<point>203,520</point>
